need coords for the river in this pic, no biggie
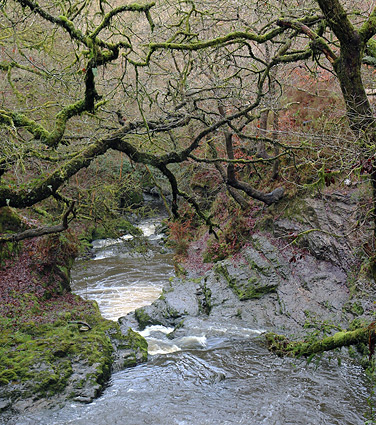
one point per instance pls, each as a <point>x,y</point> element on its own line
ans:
<point>218,375</point>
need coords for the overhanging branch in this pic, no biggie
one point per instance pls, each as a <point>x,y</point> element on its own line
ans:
<point>40,231</point>
<point>318,42</point>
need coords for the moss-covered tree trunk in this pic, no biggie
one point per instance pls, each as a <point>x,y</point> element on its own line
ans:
<point>353,43</point>
<point>282,346</point>
<point>347,65</point>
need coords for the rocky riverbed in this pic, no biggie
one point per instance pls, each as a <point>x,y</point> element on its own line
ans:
<point>294,276</point>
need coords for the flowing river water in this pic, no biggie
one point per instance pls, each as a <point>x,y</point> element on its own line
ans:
<point>218,375</point>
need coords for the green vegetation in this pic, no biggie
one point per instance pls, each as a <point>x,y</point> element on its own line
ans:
<point>253,288</point>
<point>229,115</point>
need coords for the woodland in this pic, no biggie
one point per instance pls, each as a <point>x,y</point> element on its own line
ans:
<point>224,108</point>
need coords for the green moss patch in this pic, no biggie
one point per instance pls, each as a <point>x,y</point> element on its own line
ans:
<point>45,351</point>
<point>136,349</point>
<point>40,356</point>
<point>252,288</point>
<point>41,360</point>
<point>143,318</point>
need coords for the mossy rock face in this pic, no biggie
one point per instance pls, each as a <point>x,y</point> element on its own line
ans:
<point>204,298</point>
<point>46,350</point>
<point>355,307</point>
<point>132,350</point>
<point>64,272</point>
<point>42,358</point>
<point>246,289</point>
<point>260,273</point>
<point>60,361</point>
<point>8,250</point>
<point>143,318</point>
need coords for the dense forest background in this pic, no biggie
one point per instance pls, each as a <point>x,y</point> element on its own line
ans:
<point>222,104</point>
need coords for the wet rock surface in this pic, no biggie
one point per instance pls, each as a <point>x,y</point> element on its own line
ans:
<point>273,284</point>
<point>260,289</point>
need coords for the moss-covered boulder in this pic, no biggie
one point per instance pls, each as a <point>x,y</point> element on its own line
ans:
<point>54,345</point>
<point>64,359</point>
<point>132,349</point>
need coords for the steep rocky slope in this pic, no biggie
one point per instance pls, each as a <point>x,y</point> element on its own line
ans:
<point>302,268</point>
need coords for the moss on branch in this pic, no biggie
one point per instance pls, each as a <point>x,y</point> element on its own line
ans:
<point>51,139</point>
<point>133,7</point>
<point>282,346</point>
<point>318,43</point>
<point>368,29</point>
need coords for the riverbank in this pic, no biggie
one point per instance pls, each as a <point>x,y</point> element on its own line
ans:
<point>55,346</point>
<point>301,273</point>
<point>209,361</point>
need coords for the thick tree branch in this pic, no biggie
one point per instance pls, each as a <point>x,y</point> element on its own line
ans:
<point>267,198</point>
<point>235,37</point>
<point>40,231</point>
<point>319,42</point>
<point>36,192</point>
<point>61,21</point>
<point>232,191</point>
<point>282,346</point>
<point>338,20</point>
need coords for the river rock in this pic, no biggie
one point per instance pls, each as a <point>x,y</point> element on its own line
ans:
<point>276,283</point>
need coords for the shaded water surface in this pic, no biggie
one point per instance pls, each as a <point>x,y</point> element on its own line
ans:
<point>218,375</point>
